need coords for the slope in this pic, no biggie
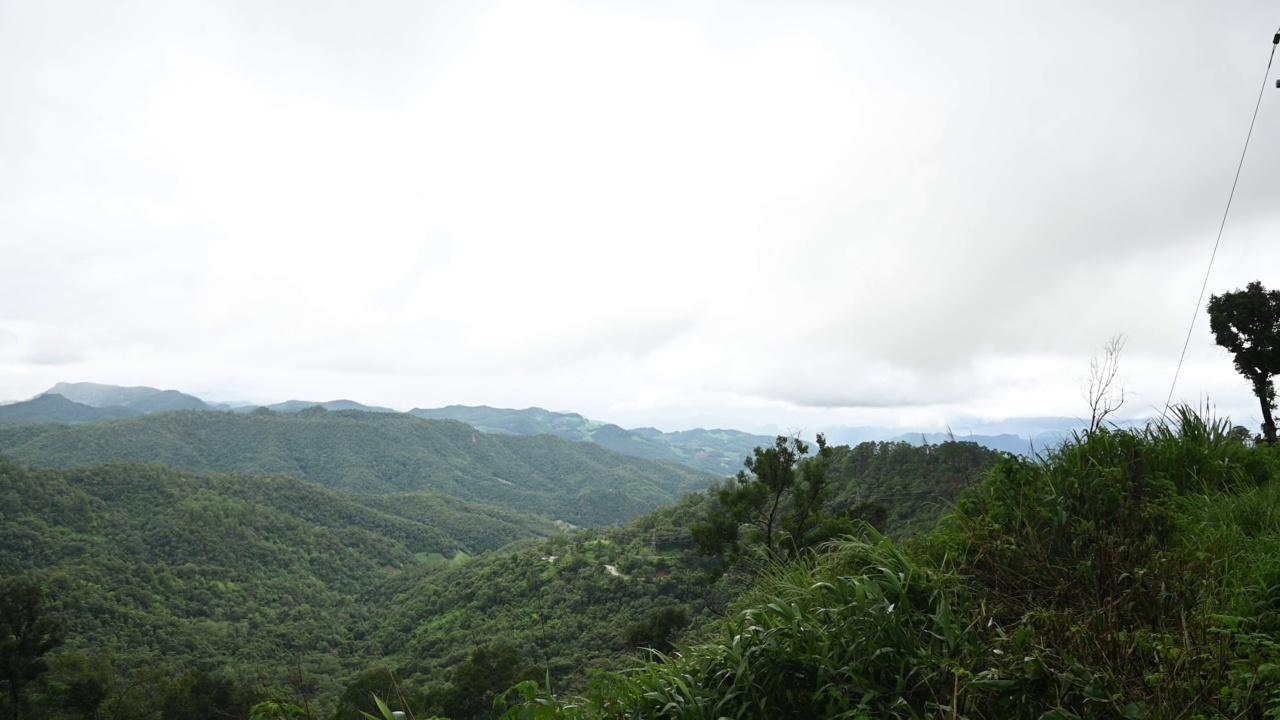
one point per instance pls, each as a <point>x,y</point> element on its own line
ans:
<point>375,453</point>
<point>223,571</point>
<point>716,451</point>
<point>52,407</point>
<point>141,398</point>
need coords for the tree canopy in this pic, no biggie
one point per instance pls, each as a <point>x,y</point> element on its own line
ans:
<point>27,635</point>
<point>780,499</point>
<point>1247,323</point>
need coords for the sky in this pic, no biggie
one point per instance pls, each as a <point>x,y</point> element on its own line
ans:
<point>738,214</point>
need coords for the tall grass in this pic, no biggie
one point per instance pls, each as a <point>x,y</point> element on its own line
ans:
<point>1102,555</point>
<point>1130,574</point>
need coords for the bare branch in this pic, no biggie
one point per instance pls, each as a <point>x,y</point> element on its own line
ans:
<point>1103,392</point>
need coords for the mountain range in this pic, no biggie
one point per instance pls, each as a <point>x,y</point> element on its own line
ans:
<point>715,451</point>
<point>719,451</point>
<point>374,453</point>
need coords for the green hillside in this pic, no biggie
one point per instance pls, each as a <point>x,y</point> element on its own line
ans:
<point>140,399</point>
<point>244,574</point>
<point>716,451</point>
<point>914,484</point>
<point>168,573</point>
<point>374,453</point>
<point>1131,574</point>
<point>52,407</point>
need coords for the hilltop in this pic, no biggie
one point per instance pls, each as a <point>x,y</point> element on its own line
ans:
<point>717,451</point>
<point>374,453</point>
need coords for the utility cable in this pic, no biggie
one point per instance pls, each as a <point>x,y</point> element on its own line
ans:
<point>1196,310</point>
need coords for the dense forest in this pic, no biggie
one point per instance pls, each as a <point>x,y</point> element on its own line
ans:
<point>717,451</point>
<point>366,452</point>
<point>714,451</point>
<point>177,589</point>
<point>1129,573</point>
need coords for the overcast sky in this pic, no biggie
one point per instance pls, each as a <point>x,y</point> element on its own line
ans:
<point>733,214</point>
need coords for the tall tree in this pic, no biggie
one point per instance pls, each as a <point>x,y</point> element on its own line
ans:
<point>780,499</point>
<point>27,635</point>
<point>1247,322</point>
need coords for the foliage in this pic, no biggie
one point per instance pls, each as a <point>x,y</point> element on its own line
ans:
<point>226,574</point>
<point>1247,323</point>
<point>557,601</point>
<point>715,451</point>
<point>900,488</point>
<point>199,695</point>
<point>1131,574</point>
<point>27,635</point>
<point>479,685</point>
<point>278,710</point>
<point>374,453</point>
<point>159,574</point>
<point>657,631</point>
<point>56,408</point>
<point>780,498</point>
<point>372,691</point>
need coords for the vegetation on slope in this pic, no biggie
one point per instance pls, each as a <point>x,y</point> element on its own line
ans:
<point>373,453</point>
<point>716,451</point>
<point>56,408</point>
<point>914,484</point>
<point>176,586</point>
<point>556,609</point>
<point>239,574</point>
<point>1131,574</point>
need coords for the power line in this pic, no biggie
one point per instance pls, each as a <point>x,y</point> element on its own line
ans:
<point>1196,310</point>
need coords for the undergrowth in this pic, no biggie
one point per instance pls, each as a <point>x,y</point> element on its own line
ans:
<point>1129,574</point>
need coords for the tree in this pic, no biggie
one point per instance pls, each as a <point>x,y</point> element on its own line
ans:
<point>199,695</point>
<point>488,674</point>
<point>657,631</point>
<point>1103,393</point>
<point>1247,323</point>
<point>27,635</point>
<point>780,498</point>
<point>358,698</point>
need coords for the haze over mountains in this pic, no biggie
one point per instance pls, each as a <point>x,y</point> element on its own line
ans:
<point>345,540</point>
<point>719,450</point>
<point>374,453</point>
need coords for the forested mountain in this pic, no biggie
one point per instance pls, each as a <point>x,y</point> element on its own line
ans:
<point>241,577</point>
<point>300,405</point>
<point>52,407</point>
<point>158,573</point>
<point>1131,574</point>
<point>372,453</point>
<point>913,484</point>
<point>716,451</point>
<point>242,574</point>
<point>92,402</point>
<point>1004,442</point>
<point>141,399</point>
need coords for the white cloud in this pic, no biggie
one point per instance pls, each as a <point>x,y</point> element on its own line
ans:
<point>795,213</point>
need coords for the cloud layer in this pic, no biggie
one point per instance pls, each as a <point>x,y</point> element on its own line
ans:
<point>735,214</point>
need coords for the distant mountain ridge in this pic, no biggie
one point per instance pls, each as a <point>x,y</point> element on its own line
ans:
<point>717,451</point>
<point>140,398</point>
<point>52,407</point>
<point>374,453</point>
<point>150,557</point>
<point>300,405</point>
